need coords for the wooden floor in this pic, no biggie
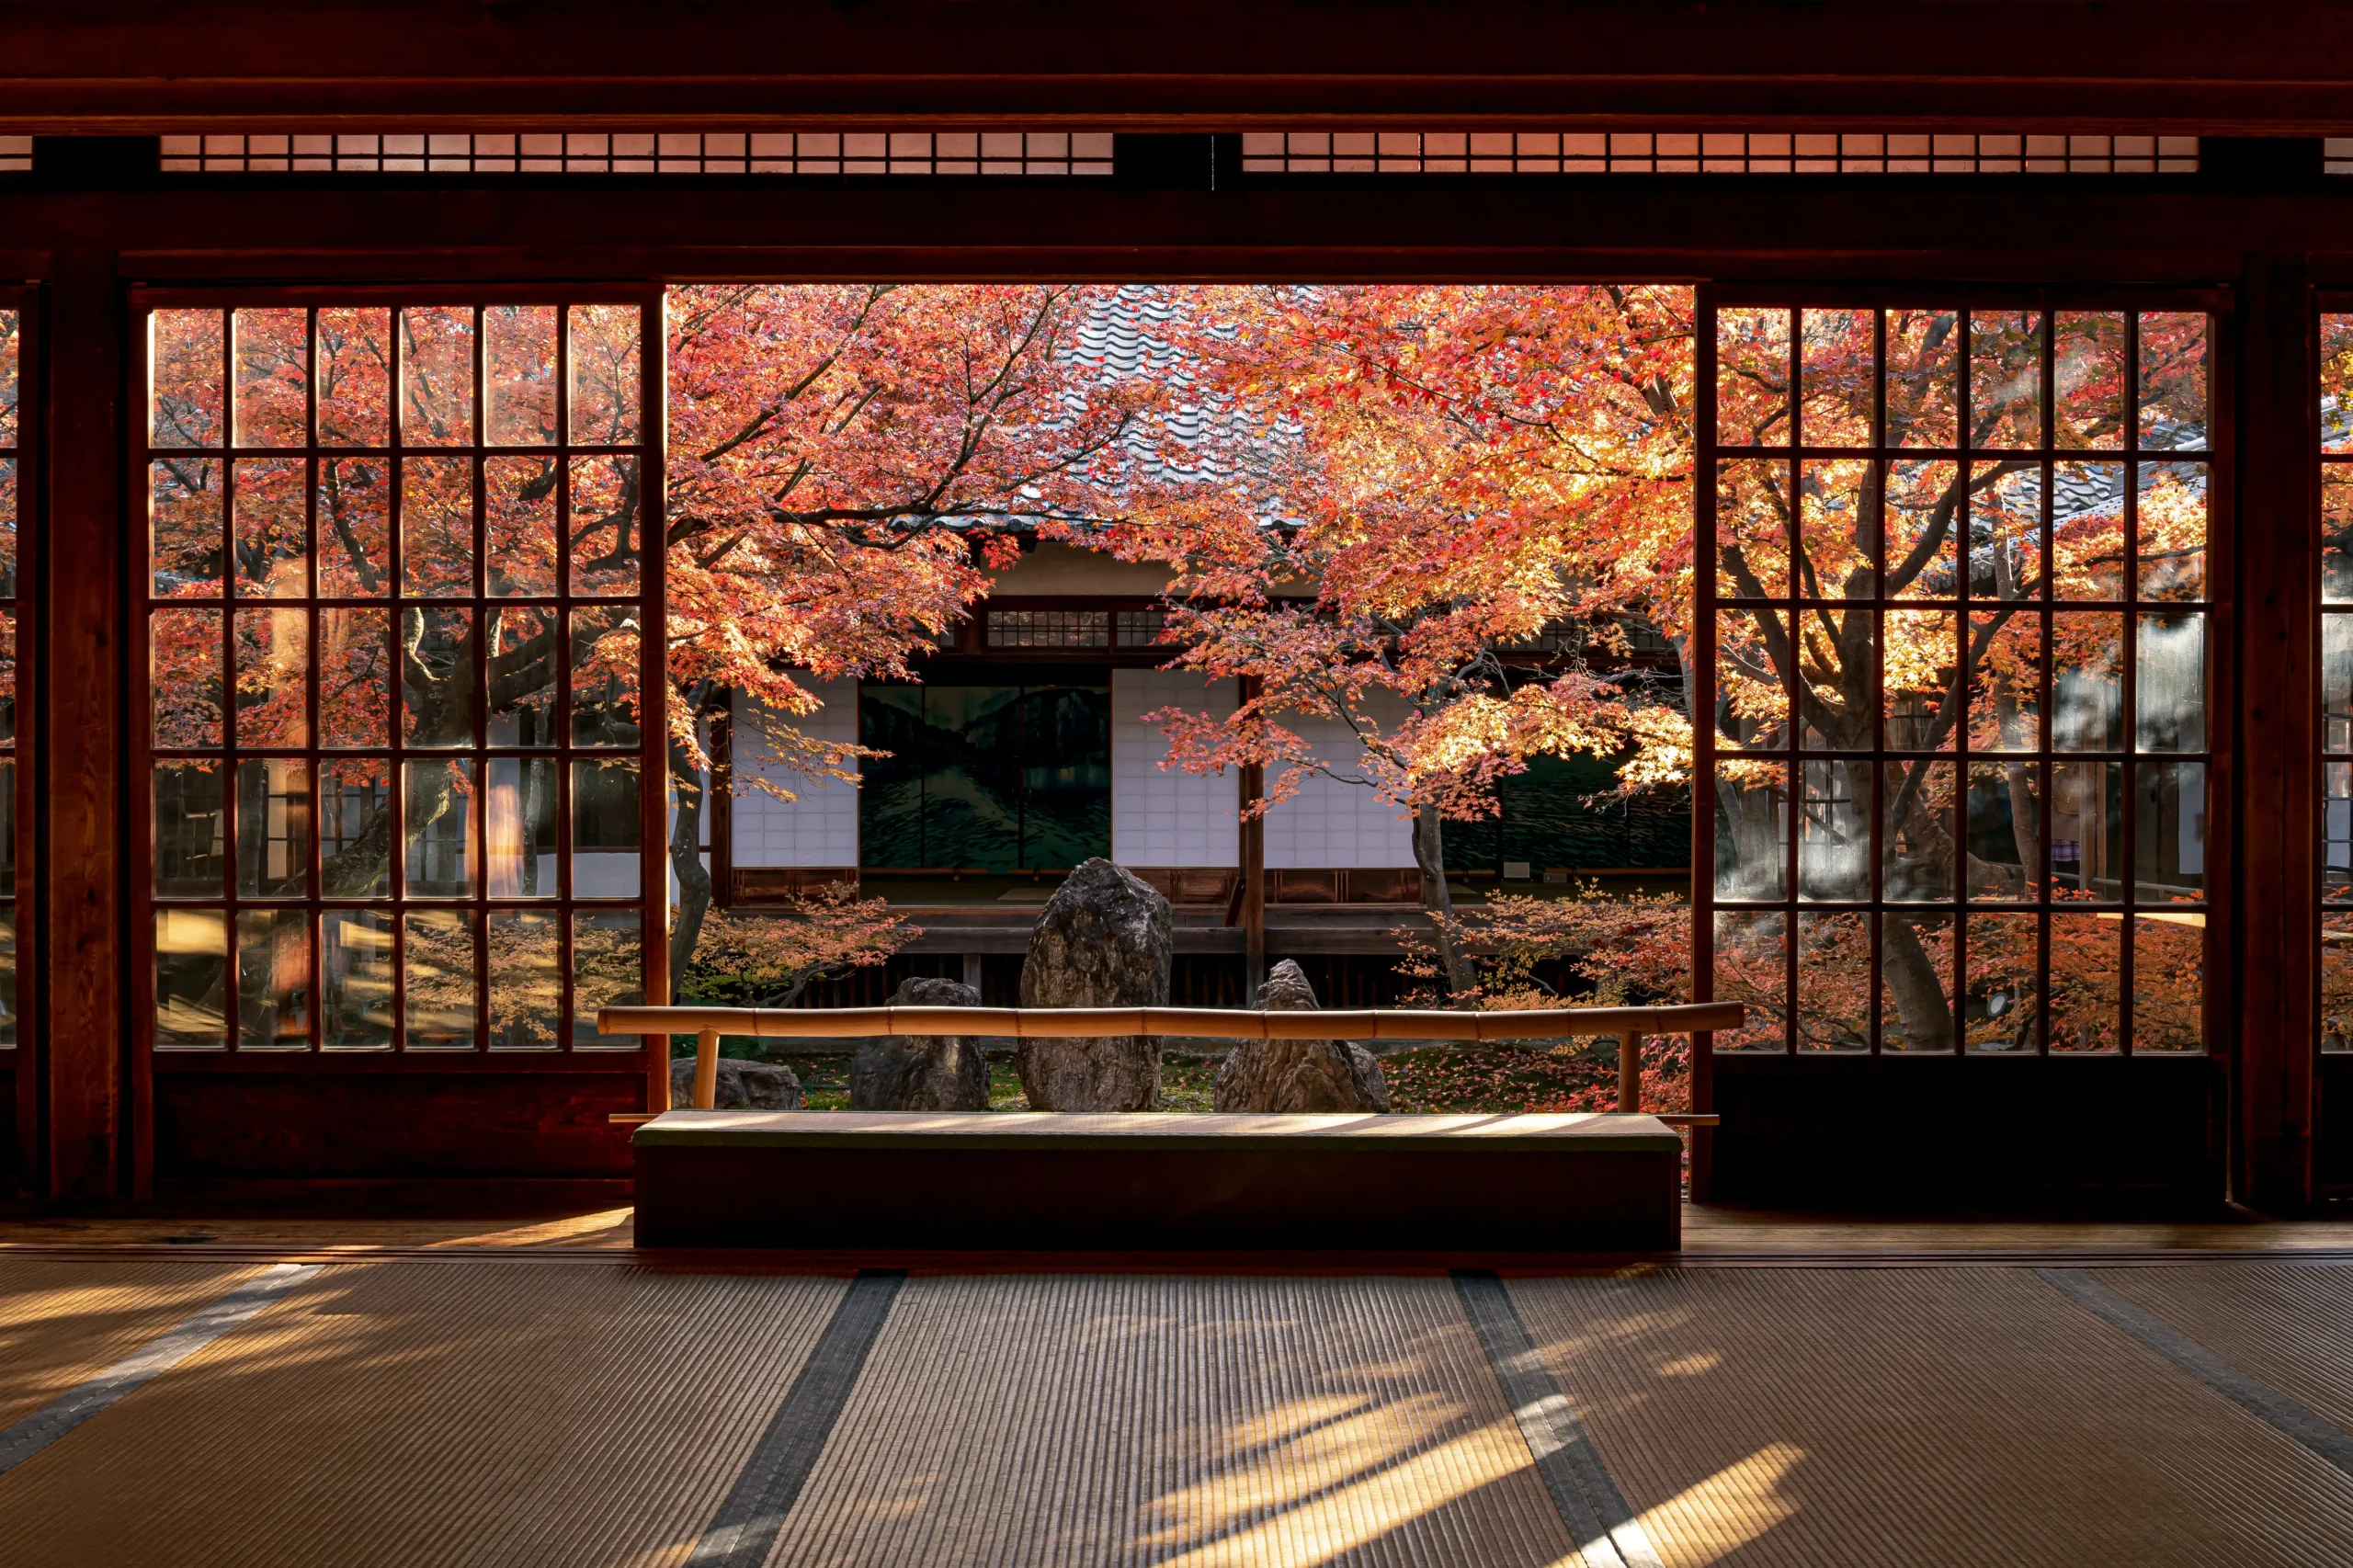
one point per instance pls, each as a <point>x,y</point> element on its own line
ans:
<point>1794,1390</point>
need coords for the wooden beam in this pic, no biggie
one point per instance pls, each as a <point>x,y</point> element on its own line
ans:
<point>2196,65</point>
<point>2271,1031</point>
<point>84,798</point>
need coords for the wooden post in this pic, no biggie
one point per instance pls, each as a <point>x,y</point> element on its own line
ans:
<point>1630,1072</point>
<point>1254,868</point>
<point>706,1070</point>
<point>2269,1032</point>
<point>84,797</point>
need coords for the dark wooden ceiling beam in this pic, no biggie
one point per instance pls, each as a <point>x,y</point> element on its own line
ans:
<point>81,66</point>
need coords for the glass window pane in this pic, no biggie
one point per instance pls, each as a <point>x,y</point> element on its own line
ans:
<point>518,526</point>
<point>1835,831</point>
<point>2336,683</point>
<point>273,980</point>
<point>1752,698</point>
<point>8,528</point>
<point>518,370</point>
<point>2088,530</point>
<point>184,351</point>
<point>7,677</point>
<point>603,526</point>
<point>608,971</point>
<point>2336,384</point>
<point>354,678</point>
<point>10,382</point>
<point>2088,830</point>
<point>2336,833</point>
<point>2087,682</point>
<point>2004,830</point>
<point>438,988</point>
<point>2172,545</point>
<point>355,976</point>
<point>1916,837</point>
<point>2006,378</point>
<point>1753,378</point>
<point>436,375</point>
<point>2170,686</point>
<point>2085,982</point>
<point>1840,376</point>
<point>1923,524</point>
<point>522,675</point>
<point>519,811</point>
<point>1923,652</point>
<point>7,827</point>
<point>606,376</point>
<point>273,360</point>
<point>525,980</point>
<point>191,979</point>
<point>2006,530</point>
<point>1833,981</point>
<point>1752,830</point>
<point>2336,981</point>
<point>604,678</point>
<point>437,677</point>
<point>184,528</point>
<point>355,530</point>
<point>2089,370</point>
<point>2170,982</point>
<point>2001,1010</point>
<point>1838,525</point>
<point>2006,681</point>
<point>355,363</point>
<point>190,827</point>
<point>273,827</point>
<point>184,679</point>
<point>269,534</point>
<point>2169,832</point>
<point>1752,529</point>
<point>436,527</point>
<point>608,829</point>
<point>1923,377</point>
<point>1916,982</point>
<point>273,653</point>
<point>2172,380</point>
<point>8,1004</point>
<point>438,846</point>
<point>355,827</point>
<point>1751,968</point>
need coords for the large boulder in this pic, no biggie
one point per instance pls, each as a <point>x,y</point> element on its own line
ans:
<point>1105,940</point>
<point>1297,1075</point>
<point>922,1072</point>
<point>743,1085</point>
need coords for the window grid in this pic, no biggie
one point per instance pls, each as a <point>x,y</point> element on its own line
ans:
<point>1798,898</point>
<point>2334,1014</point>
<point>289,702</point>
<point>15,490</point>
<point>1140,628</point>
<point>805,152</point>
<point>1048,628</point>
<point>1709,152</point>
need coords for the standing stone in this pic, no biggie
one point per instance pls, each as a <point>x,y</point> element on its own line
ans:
<point>1105,940</point>
<point>743,1085</point>
<point>922,1072</point>
<point>1297,1075</point>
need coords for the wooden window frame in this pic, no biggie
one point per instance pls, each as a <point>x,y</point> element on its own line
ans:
<point>647,1055</point>
<point>2219,1006</point>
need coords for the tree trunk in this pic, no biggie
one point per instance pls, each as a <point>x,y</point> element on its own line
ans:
<point>1919,993</point>
<point>1430,855</point>
<point>685,858</point>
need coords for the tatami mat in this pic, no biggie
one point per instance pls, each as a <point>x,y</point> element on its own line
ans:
<point>62,1320</point>
<point>499,1412</point>
<point>2289,1324</point>
<point>1103,1421</point>
<point>1899,1417</point>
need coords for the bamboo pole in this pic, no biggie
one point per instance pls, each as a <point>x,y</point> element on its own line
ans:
<point>706,1062</point>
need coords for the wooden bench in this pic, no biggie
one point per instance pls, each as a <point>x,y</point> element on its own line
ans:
<point>998,1181</point>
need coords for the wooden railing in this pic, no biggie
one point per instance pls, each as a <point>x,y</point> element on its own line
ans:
<point>1629,1024</point>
